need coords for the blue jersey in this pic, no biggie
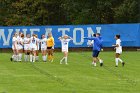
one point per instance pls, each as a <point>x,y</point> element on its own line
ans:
<point>97,45</point>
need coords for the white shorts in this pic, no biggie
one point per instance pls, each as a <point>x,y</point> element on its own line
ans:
<point>119,51</point>
<point>64,49</point>
<point>20,47</point>
<point>27,47</point>
<point>33,47</point>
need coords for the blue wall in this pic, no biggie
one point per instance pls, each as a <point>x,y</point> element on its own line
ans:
<point>130,33</point>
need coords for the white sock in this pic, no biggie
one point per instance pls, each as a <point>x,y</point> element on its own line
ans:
<point>13,56</point>
<point>120,60</point>
<point>45,58</point>
<point>101,61</point>
<point>16,58</point>
<point>20,56</point>
<point>28,57</point>
<point>62,59</point>
<point>95,64</point>
<point>34,58</point>
<point>117,60</point>
<point>66,60</point>
<point>25,58</point>
<point>37,58</point>
<point>31,58</point>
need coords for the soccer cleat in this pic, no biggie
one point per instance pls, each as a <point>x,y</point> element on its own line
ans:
<point>101,64</point>
<point>11,59</point>
<point>123,64</point>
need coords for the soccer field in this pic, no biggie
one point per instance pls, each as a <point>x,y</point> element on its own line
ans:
<point>79,76</point>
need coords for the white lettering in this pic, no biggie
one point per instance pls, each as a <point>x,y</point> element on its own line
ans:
<point>74,36</point>
<point>2,35</point>
<point>63,30</point>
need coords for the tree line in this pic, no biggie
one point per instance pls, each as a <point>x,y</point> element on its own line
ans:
<point>68,12</point>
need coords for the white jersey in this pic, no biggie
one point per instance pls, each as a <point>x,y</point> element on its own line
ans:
<point>43,43</point>
<point>119,48</point>
<point>33,43</point>
<point>20,42</point>
<point>26,43</point>
<point>14,43</point>
<point>65,44</point>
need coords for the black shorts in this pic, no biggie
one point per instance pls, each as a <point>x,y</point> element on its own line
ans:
<point>49,47</point>
<point>95,53</point>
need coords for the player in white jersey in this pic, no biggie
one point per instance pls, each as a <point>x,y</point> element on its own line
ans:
<point>14,48</point>
<point>33,47</point>
<point>118,48</point>
<point>43,42</point>
<point>65,44</point>
<point>27,47</point>
<point>20,46</point>
<point>37,51</point>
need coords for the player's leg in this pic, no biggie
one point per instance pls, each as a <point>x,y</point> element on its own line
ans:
<point>100,60</point>
<point>20,54</point>
<point>34,55</point>
<point>119,59</point>
<point>66,57</point>
<point>52,54</point>
<point>31,55</point>
<point>49,54</point>
<point>95,55</point>
<point>25,55</point>
<point>37,55</point>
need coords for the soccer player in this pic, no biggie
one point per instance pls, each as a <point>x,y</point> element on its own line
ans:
<point>20,46</point>
<point>14,48</point>
<point>50,45</point>
<point>65,43</point>
<point>33,46</point>
<point>37,51</point>
<point>43,47</point>
<point>27,47</point>
<point>118,48</point>
<point>97,46</point>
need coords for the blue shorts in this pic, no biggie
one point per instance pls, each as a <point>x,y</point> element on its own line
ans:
<point>95,53</point>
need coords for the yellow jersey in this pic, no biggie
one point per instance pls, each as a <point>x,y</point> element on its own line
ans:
<point>50,42</point>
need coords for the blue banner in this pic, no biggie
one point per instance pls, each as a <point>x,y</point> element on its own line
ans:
<point>130,34</point>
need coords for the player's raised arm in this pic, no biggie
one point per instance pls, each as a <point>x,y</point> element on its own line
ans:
<point>60,38</point>
<point>90,38</point>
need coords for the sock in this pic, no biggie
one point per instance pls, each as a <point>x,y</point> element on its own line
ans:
<point>66,60</point>
<point>95,64</point>
<point>20,56</point>
<point>16,58</point>
<point>25,58</point>
<point>13,56</point>
<point>28,57</point>
<point>37,58</point>
<point>31,58</point>
<point>49,57</point>
<point>116,59</point>
<point>34,58</point>
<point>62,59</point>
<point>44,58</point>
<point>120,60</point>
<point>101,61</point>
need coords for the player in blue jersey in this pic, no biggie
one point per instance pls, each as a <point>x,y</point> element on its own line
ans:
<point>97,46</point>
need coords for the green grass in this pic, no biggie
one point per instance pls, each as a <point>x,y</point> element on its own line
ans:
<point>77,77</point>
